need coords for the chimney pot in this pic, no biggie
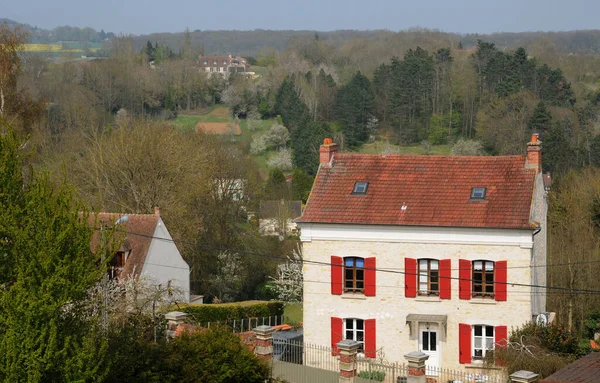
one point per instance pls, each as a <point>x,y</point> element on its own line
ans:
<point>534,153</point>
<point>326,151</point>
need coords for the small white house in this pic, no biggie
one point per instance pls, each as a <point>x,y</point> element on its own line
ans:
<point>147,250</point>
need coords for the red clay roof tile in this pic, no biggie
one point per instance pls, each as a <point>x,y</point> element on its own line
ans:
<point>435,191</point>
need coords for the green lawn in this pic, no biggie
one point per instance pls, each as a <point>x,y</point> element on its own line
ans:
<point>379,146</point>
<point>292,313</point>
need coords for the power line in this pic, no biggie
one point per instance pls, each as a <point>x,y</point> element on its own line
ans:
<point>386,270</point>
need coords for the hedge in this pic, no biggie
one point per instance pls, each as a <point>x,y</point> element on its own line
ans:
<point>230,311</point>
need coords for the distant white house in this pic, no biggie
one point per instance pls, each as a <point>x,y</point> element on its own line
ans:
<point>147,250</point>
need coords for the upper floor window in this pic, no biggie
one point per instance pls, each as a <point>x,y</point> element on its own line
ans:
<point>429,272</point>
<point>360,187</point>
<point>483,340</point>
<point>478,193</point>
<point>354,274</point>
<point>483,279</point>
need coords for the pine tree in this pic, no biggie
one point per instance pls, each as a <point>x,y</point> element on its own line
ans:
<point>47,268</point>
<point>558,151</point>
<point>293,111</point>
<point>354,105</point>
<point>541,118</point>
<point>306,141</point>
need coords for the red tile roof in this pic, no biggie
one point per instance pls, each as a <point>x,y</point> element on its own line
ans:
<point>143,225</point>
<point>583,370</point>
<point>434,190</point>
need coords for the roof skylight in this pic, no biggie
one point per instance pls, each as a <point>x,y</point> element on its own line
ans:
<point>360,188</point>
<point>478,193</point>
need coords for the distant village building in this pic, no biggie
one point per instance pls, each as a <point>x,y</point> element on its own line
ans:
<point>225,65</point>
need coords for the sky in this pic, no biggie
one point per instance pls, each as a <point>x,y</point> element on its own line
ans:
<point>461,16</point>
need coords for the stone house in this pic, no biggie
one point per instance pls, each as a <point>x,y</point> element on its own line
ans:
<point>146,250</point>
<point>429,253</point>
<point>224,65</point>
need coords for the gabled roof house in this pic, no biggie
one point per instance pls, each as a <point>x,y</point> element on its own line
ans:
<point>146,249</point>
<point>431,253</point>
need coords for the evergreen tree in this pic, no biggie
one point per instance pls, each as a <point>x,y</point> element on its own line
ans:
<point>541,118</point>
<point>293,111</point>
<point>558,151</point>
<point>354,105</point>
<point>301,185</point>
<point>150,51</point>
<point>276,186</point>
<point>306,141</point>
<point>47,268</point>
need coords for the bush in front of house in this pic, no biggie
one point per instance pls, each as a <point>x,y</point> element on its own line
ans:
<point>235,310</point>
<point>378,376</point>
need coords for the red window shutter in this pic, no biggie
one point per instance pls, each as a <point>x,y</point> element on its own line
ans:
<point>370,338</point>
<point>500,276</point>
<point>410,277</point>
<point>445,278</point>
<point>501,340</point>
<point>501,336</point>
<point>464,274</point>
<point>464,343</point>
<point>370,279</point>
<point>337,275</point>
<point>336,334</point>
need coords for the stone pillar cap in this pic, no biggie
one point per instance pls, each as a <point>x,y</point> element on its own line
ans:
<point>175,315</point>
<point>264,329</point>
<point>416,356</point>
<point>524,375</point>
<point>348,344</point>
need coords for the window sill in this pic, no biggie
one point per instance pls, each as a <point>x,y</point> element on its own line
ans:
<point>482,301</point>
<point>353,296</point>
<point>425,298</point>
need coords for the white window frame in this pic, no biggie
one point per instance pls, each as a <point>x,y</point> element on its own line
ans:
<point>424,276</point>
<point>483,337</point>
<point>355,332</point>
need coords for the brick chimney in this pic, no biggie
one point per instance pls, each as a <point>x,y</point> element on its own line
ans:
<point>326,151</point>
<point>534,153</point>
<point>156,210</point>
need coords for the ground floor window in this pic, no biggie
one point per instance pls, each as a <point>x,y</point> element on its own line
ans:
<point>354,329</point>
<point>483,340</point>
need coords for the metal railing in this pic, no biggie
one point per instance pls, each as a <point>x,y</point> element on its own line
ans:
<point>296,360</point>
<point>243,325</point>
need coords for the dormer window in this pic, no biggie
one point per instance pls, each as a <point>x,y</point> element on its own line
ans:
<point>360,188</point>
<point>478,193</point>
<point>205,62</point>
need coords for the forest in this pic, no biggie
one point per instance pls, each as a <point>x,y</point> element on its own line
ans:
<point>110,127</point>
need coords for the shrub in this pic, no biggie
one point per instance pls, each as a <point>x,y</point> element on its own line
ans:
<point>236,310</point>
<point>281,160</point>
<point>215,355</point>
<point>378,376</point>
<point>467,148</point>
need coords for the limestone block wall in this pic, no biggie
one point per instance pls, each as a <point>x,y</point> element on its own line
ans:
<point>390,307</point>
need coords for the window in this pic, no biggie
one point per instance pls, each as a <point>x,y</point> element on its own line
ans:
<point>483,279</point>
<point>483,340</point>
<point>215,62</point>
<point>478,193</point>
<point>354,329</point>
<point>429,271</point>
<point>354,274</point>
<point>224,62</point>
<point>117,263</point>
<point>360,188</point>
<point>205,62</point>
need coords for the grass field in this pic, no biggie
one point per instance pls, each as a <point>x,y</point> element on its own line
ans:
<point>379,146</point>
<point>292,313</point>
<point>53,48</point>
